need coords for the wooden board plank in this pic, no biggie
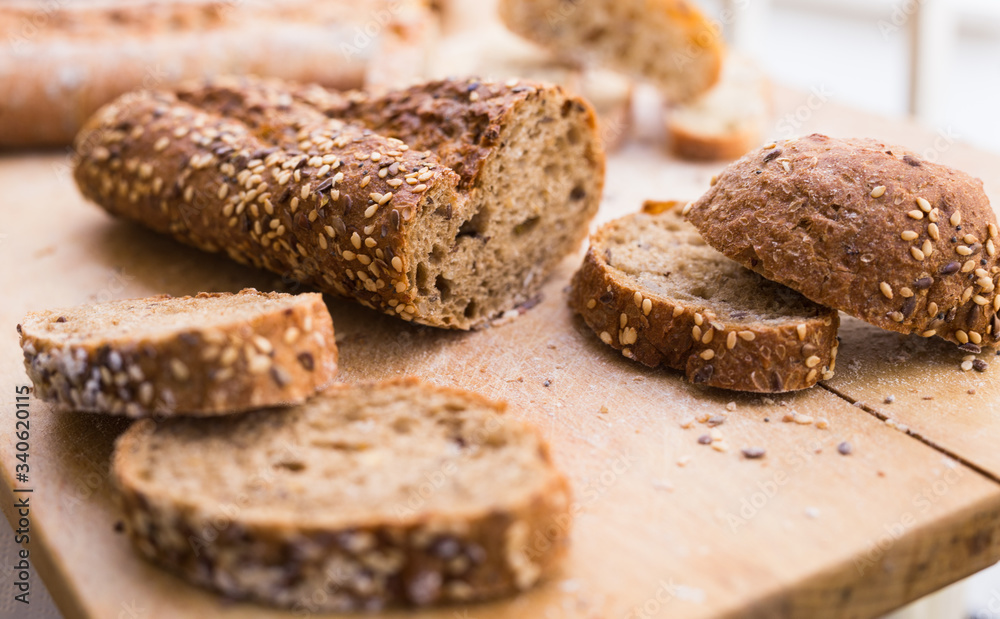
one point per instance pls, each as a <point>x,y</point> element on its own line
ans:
<point>803,532</point>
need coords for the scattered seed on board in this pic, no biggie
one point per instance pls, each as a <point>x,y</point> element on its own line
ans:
<point>754,453</point>
<point>845,448</point>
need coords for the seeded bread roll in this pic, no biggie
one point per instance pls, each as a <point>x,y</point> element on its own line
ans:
<point>651,288</point>
<point>505,183</point>
<point>65,60</point>
<point>873,230</point>
<point>397,493</point>
<point>670,43</point>
<point>728,120</point>
<point>210,354</point>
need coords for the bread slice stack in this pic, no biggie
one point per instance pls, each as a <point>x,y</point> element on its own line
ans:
<point>251,474</point>
<point>746,296</point>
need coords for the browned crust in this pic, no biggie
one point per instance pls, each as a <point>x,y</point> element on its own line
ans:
<point>423,559</point>
<point>817,228</point>
<point>280,357</point>
<point>702,147</point>
<point>681,335</point>
<point>65,61</point>
<point>331,235</point>
<point>688,45</point>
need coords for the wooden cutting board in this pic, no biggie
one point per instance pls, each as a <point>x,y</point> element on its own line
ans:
<point>803,532</point>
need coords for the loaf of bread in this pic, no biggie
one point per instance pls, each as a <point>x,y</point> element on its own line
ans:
<point>65,60</point>
<point>210,354</point>
<point>669,43</point>
<point>396,493</point>
<point>728,120</point>
<point>447,203</point>
<point>871,229</point>
<point>651,288</point>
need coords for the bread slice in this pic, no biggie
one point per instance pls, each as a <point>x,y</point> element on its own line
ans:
<point>651,288</point>
<point>396,493</point>
<point>669,43</point>
<point>210,354</point>
<point>446,204</point>
<point>728,120</point>
<point>871,229</point>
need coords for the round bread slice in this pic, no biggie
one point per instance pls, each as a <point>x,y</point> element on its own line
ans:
<point>373,495</point>
<point>873,230</point>
<point>211,354</point>
<point>652,288</point>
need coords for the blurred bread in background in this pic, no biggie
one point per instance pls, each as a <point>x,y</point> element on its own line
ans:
<point>66,59</point>
<point>728,120</point>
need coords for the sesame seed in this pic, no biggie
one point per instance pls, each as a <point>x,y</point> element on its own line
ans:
<point>709,336</point>
<point>811,376</point>
<point>678,310</point>
<point>897,316</point>
<point>927,248</point>
<point>993,231</point>
<point>355,240</point>
<point>161,144</point>
<point>932,309</point>
<point>747,336</point>
<point>637,299</point>
<point>929,333</point>
<point>696,333</point>
<point>687,207</point>
<point>996,306</point>
<point>956,219</point>
<point>975,337</point>
<point>909,235</point>
<point>179,370</point>
<point>991,248</point>
<point>623,320</point>
<point>371,210</point>
<point>591,304</point>
<point>322,242</point>
<point>801,329</point>
<point>363,259</point>
<point>916,253</point>
<point>933,232</point>
<point>370,242</point>
<point>962,250</point>
<point>698,319</point>
<point>966,366</point>
<point>349,255</point>
<point>647,307</point>
<point>731,340</point>
<point>979,300</point>
<point>304,193</point>
<point>924,205</point>
<point>813,361</point>
<point>365,181</point>
<point>886,290</point>
<point>962,336</point>
<point>878,192</point>
<point>915,214</point>
<point>397,263</point>
<point>933,215</point>
<point>606,337</point>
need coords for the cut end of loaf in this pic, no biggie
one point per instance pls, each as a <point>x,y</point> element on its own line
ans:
<point>417,495</point>
<point>528,207</point>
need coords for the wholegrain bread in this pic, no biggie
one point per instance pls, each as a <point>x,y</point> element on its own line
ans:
<point>446,204</point>
<point>669,43</point>
<point>874,230</point>
<point>66,59</point>
<point>210,354</point>
<point>653,289</point>
<point>374,495</point>
<point>728,120</point>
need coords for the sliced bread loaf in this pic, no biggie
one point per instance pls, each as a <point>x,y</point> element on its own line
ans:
<point>368,496</point>
<point>446,203</point>
<point>209,354</point>
<point>669,43</point>
<point>652,288</point>
<point>728,120</point>
<point>871,229</point>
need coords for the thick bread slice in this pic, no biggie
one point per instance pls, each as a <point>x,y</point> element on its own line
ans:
<point>650,287</point>
<point>66,59</point>
<point>371,495</point>
<point>446,204</point>
<point>210,354</point>
<point>667,42</point>
<point>728,120</point>
<point>867,228</point>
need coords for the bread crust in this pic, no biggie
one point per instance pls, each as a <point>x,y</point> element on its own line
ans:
<point>419,558</point>
<point>658,330</point>
<point>667,42</point>
<point>282,356</point>
<point>259,170</point>
<point>64,62</point>
<point>873,230</point>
